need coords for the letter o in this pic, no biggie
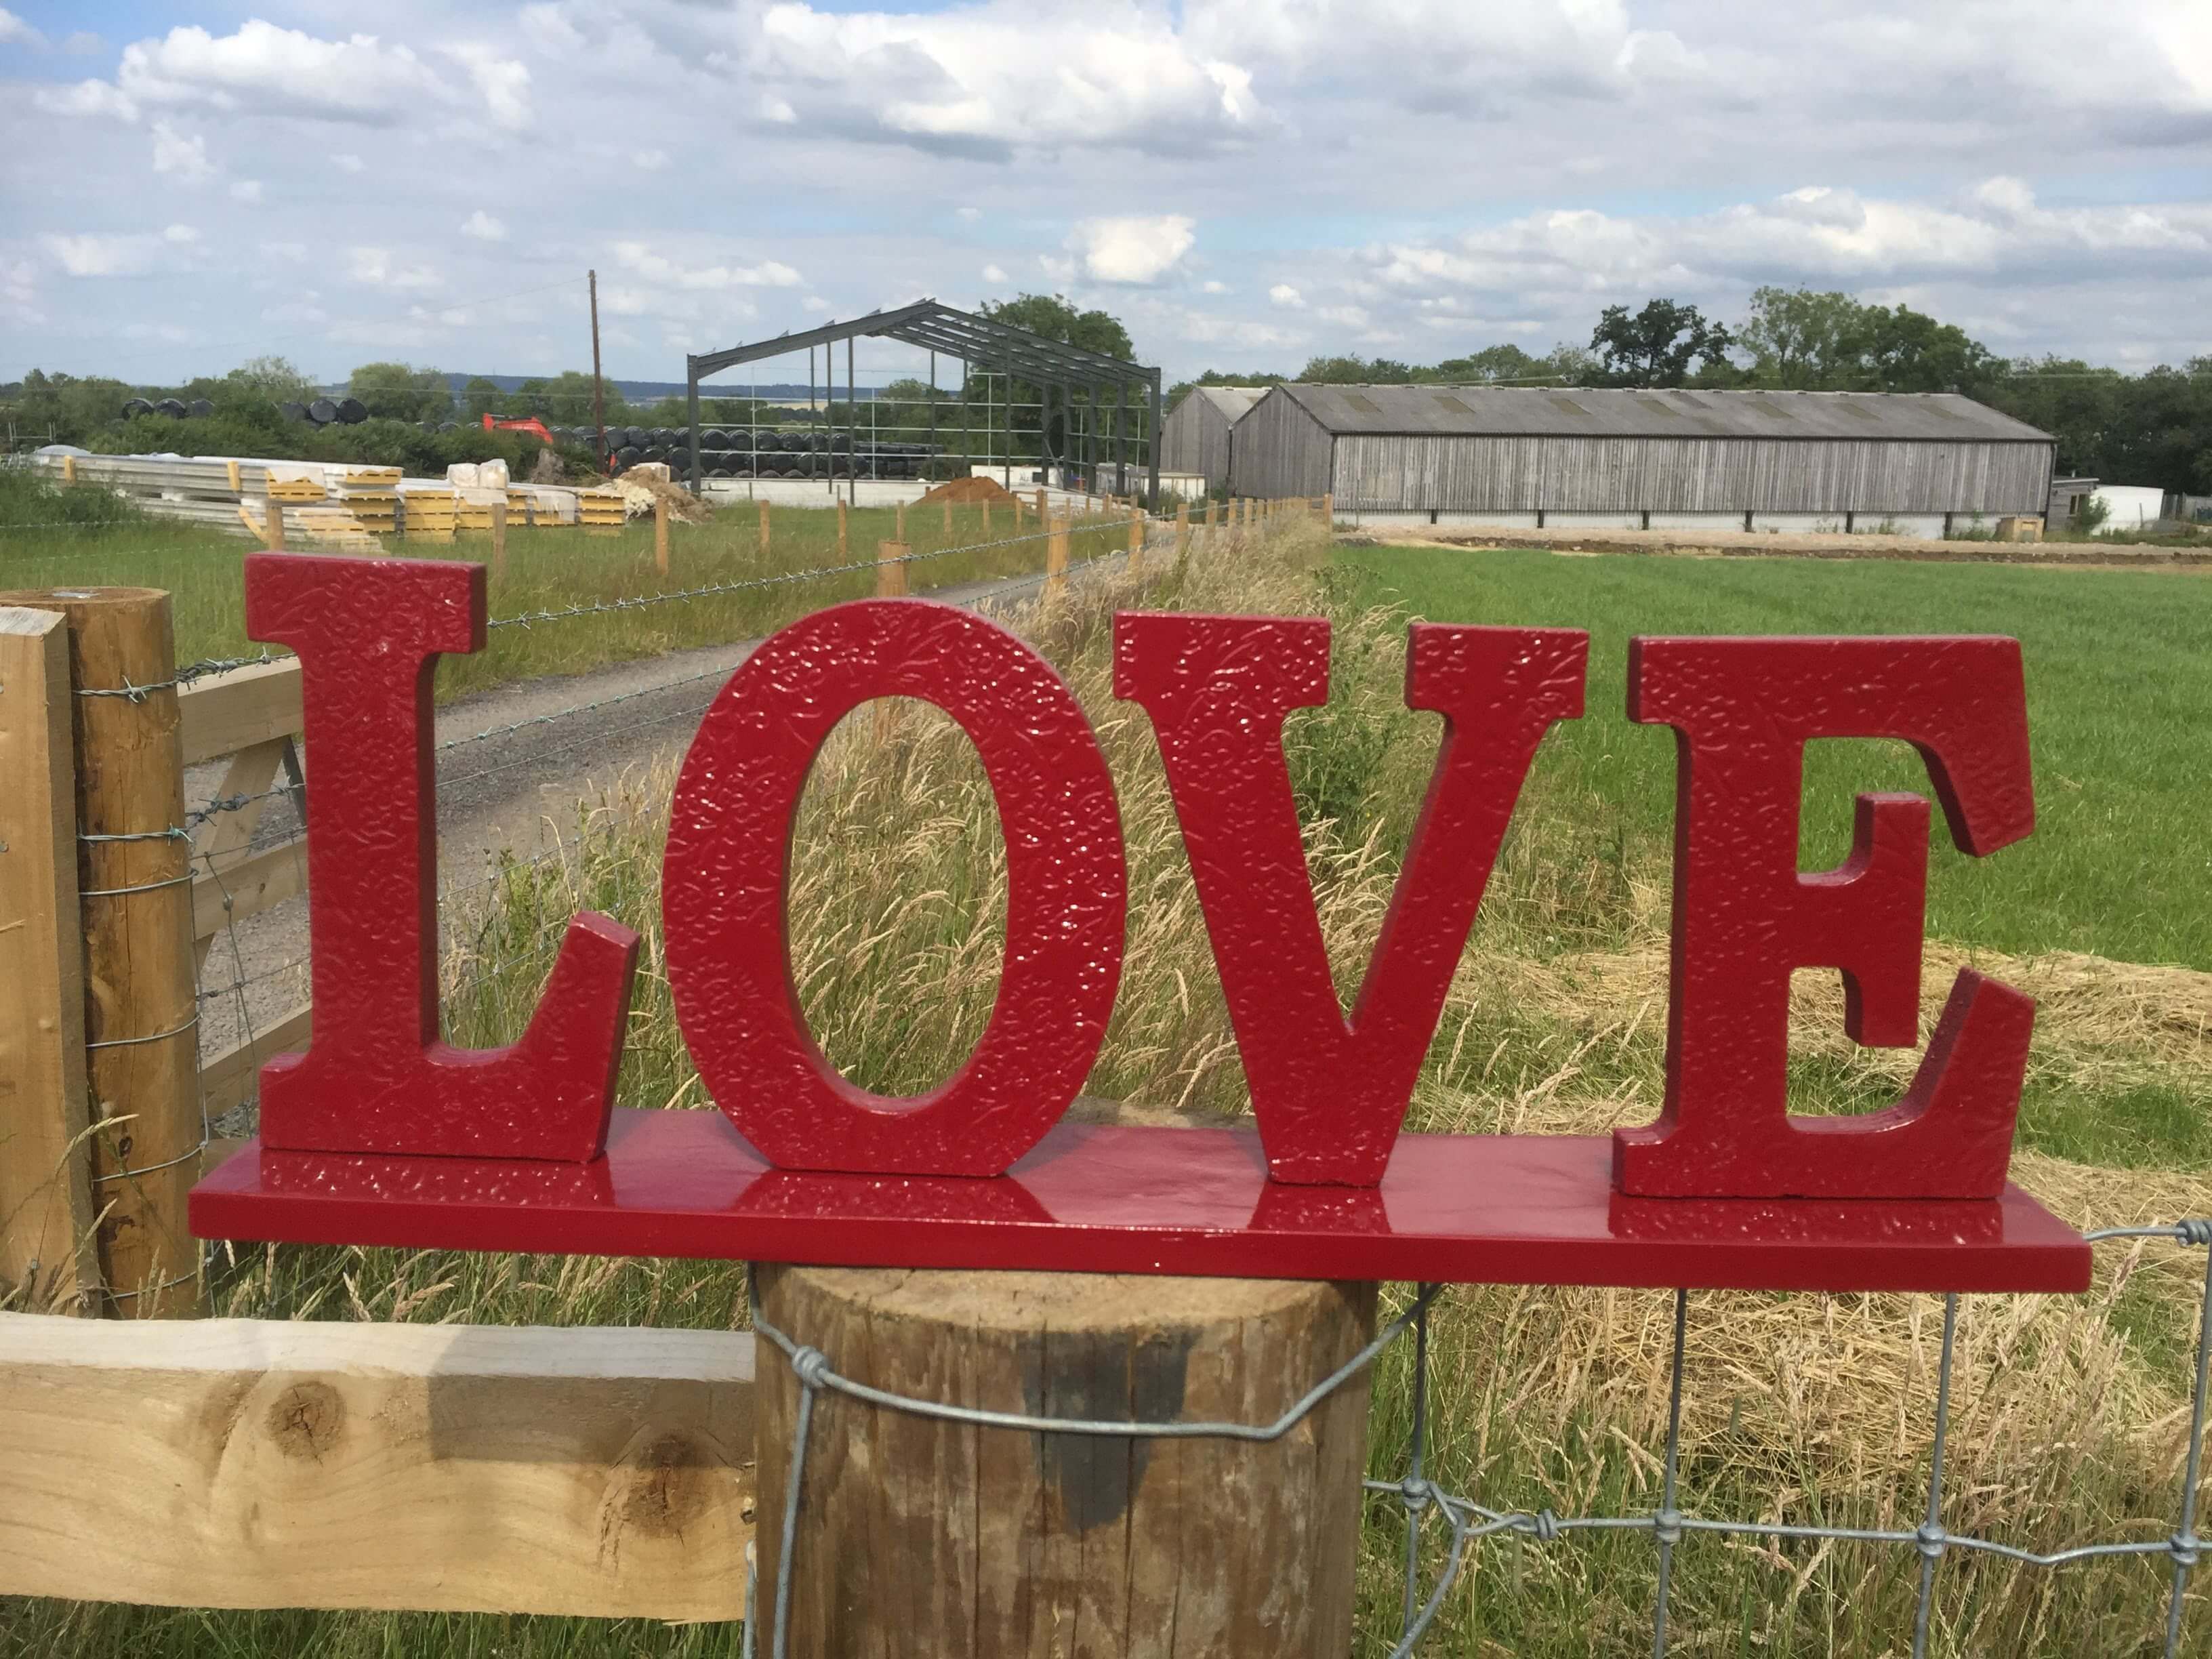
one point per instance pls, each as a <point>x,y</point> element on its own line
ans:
<point>724,877</point>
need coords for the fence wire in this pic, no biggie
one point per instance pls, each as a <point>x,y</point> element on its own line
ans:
<point>1467,1523</point>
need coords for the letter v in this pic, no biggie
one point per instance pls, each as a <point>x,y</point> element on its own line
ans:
<point>376,1077</point>
<point>1330,1093</point>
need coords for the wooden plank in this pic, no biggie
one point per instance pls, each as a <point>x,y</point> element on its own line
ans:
<point>257,881</point>
<point>226,713</point>
<point>231,1075</point>
<point>217,844</point>
<point>46,1253</point>
<point>266,1463</point>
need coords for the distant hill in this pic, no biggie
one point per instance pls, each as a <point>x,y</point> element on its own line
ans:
<point>646,391</point>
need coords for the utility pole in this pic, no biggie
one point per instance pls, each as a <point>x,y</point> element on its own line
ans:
<point>598,397</point>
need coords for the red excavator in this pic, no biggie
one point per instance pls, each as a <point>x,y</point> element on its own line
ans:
<point>529,423</point>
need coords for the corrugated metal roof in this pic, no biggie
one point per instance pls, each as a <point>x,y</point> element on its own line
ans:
<point>1617,412</point>
<point>1230,400</point>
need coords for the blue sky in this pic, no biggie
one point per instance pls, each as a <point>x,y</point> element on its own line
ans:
<point>1246,182</point>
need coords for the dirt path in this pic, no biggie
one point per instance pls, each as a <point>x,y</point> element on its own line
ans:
<point>1738,544</point>
<point>513,764</point>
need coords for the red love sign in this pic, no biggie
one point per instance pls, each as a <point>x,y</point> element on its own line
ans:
<point>381,1132</point>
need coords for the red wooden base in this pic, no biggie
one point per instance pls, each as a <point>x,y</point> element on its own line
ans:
<point>1474,1209</point>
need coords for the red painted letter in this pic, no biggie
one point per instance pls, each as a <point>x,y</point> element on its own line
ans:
<point>722,892</point>
<point>376,1078</point>
<point>1330,1093</point>
<point>1743,710</point>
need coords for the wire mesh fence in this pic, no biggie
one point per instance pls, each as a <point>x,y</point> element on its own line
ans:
<point>1466,1523</point>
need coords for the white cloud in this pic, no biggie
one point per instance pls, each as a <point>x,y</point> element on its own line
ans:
<point>295,253</point>
<point>968,215</point>
<point>182,235</point>
<point>658,268</point>
<point>181,153</point>
<point>549,30</point>
<point>777,110</point>
<point>1132,251</point>
<point>1344,316</point>
<point>649,161</point>
<point>1212,286</point>
<point>968,79</point>
<point>15,31</point>
<point>502,82</point>
<point>245,190</point>
<point>485,229</point>
<point>814,303</point>
<point>375,267</point>
<point>1286,296</point>
<point>265,70</point>
<point>994,276</point>
<point>82,44</point>
<point>102,255</point>
<point>86,98</point>
<point>348,163</point>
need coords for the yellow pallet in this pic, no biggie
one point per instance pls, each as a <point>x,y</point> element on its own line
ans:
<point>372,478</point>
<point>296,489</point>
<point>601,509</point>
<point>473,515</point>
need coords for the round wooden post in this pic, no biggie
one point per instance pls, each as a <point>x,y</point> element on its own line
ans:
<point>764,532</point>
<point>1055,560</point>
<point>917,1536</point>
<point>844,553</point>
<point>660,534</point>
<point>141,1009</point>
<point>272,524</point>
<point>499,542</point>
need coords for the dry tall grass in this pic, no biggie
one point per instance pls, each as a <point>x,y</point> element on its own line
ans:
<point>2069,1414</point>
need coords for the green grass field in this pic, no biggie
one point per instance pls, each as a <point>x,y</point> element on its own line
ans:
<point>2119,686</point>
<point>2069,1413</point>
<point>51,538</point>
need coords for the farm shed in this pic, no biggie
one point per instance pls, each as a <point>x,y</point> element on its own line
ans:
<point>1196,435</point>
<point>1919,464</point>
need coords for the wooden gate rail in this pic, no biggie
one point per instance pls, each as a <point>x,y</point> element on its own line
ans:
<point>279,1463</point>
<point>252,715</point>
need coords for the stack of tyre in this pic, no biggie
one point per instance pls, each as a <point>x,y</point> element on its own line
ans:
<point>746,452</point>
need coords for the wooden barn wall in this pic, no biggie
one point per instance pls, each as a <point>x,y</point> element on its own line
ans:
<point>1195,438</point>
<point>1279,451</point>
<point>1681,475</point>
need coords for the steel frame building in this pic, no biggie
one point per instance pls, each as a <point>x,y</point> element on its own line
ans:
<point>986,349</point>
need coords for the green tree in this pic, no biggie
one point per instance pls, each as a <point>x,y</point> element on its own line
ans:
<point>278,379</point>
<point>1657,346</point>
<point>566,397</point>
<point>481,396</point>
<point>1802,341</point>
<point>1055,318</point>
<point>1354,370</point>
<point>1902,350</point>
<point>401,392</point>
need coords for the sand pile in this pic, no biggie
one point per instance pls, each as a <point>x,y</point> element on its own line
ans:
<point>640,490</point>
<point>973,489</point>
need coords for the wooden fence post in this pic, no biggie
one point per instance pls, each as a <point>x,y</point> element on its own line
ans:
<point>1055,560</point>
<point>141,1006</point>
<point>899,534</point>
<point>844,546</point>
<point>499,540</point>
<point>660,534</point>
<point>764,532</point>
<point>272,524</point>
<point>948,518</point>
<point>986,517</point>
<point>1182,533</point>
<point>1136,539</point>
<point>47,1254</point>
<point>1042,517</point>
<point>1328,511</point>
<point>986,1542</point>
